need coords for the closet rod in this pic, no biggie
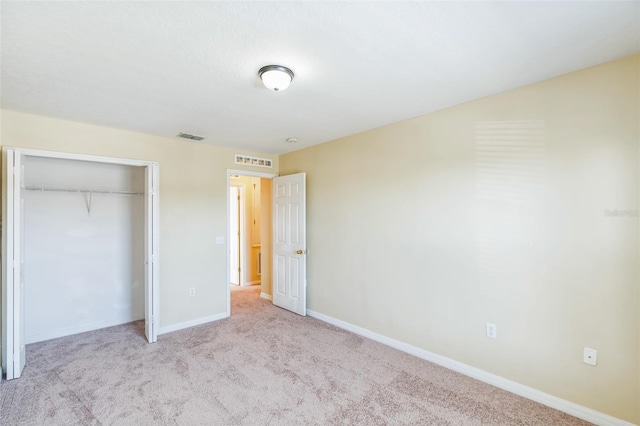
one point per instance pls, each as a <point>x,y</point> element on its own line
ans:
<point>82,191</point>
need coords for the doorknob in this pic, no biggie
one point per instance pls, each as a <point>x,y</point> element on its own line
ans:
<point>299,252</point>
<point>302,251</point>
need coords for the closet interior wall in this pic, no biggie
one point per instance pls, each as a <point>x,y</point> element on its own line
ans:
<point>84,246</point>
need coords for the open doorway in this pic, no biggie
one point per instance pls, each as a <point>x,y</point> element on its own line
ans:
<point>249,232</point>
<point>245,242</point>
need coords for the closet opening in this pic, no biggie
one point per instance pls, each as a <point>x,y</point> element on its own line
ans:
<point>80,245</point>
<point>83,246</point>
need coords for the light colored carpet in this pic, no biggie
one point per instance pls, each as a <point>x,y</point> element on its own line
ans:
<point>262,366</point>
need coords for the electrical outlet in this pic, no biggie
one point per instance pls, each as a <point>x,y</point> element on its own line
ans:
<point>192,291</point>
<point>492,331</point>
<point>590,356</point>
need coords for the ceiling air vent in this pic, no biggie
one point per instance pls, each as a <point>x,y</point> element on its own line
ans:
<point>188,136</point>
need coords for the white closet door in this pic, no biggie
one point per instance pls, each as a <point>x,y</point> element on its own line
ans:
<point>152,276</point>
<point>13,338</point>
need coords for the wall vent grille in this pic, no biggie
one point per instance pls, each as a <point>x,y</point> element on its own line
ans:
<point>188,136</point>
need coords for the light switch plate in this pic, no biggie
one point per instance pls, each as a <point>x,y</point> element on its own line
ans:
<point>219,239</point>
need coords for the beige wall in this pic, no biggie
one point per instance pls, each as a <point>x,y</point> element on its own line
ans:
<point>493,211</point>
<point>193,204</point>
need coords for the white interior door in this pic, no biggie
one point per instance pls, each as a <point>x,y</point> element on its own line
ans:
<point>13,336</point>
<point>289,243</point>
<point>152,273</point>
<point>234,234</point>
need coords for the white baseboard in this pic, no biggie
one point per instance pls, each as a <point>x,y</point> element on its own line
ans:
<point>192,323</point>
<point>560,404</point>
<point>266,296</point>
<point>81,328</point>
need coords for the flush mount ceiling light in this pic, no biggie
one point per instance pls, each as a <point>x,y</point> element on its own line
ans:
<point>276,77</point>
<point>291,140</point>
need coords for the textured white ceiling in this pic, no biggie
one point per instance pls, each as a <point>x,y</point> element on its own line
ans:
<point>168,67</point>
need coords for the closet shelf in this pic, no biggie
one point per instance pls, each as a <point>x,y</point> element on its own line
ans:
<point>82,191</point>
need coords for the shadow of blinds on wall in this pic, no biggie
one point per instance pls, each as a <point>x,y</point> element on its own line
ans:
<point>510,186</point>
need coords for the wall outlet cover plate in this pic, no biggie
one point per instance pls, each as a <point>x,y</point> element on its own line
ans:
<point>590,356</point>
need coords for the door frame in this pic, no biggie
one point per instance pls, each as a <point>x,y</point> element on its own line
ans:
<point>242,229</point>
<point>12,297</point>
<point>228,248</point>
